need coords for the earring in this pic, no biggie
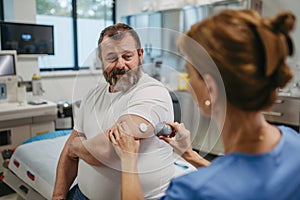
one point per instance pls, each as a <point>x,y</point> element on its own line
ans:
<point>207,102</point>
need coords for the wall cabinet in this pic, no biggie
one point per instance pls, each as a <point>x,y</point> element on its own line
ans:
<point>14,136</point>
<point>20,122</point>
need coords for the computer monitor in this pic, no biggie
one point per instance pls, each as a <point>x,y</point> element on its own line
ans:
<point>27,38</point>
<point>8,63</point>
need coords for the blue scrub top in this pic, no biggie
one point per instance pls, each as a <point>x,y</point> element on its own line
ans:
<point>270,176</point>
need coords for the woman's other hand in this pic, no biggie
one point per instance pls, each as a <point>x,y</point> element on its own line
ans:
<point>182,142</point>
<point>182,145</point>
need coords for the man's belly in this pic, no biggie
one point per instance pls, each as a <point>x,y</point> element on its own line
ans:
<point>105,183</point>
<point>99,182</point>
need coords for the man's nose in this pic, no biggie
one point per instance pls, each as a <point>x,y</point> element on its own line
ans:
<point>120,62</point>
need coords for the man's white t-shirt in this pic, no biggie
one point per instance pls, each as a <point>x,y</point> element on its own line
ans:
<point>99,111</point>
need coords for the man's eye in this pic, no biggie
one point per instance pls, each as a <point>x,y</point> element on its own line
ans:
<point>127,56</point>
<point>110,59</point>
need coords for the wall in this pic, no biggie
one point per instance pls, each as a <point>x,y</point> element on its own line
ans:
<point>129,7</point>
<point>61,86</point>
<point>20,10</point>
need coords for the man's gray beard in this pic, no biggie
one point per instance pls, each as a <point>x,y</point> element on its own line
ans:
<point>128,80</point>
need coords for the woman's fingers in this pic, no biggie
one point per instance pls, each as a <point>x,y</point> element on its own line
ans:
<point>121,129</point>
<point>117,135</point>
<point>112,137</point>
<point>174,125</point>
<point>123,126</point>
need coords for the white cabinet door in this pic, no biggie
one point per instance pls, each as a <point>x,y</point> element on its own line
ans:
<point>37,129</point>
<point>13,137</point>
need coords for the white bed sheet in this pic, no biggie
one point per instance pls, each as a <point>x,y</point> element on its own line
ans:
<point>39,159</point>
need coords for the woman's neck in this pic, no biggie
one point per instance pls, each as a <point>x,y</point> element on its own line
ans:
<point>248,132</point>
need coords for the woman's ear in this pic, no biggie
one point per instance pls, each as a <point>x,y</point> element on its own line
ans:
<point>212,87</point>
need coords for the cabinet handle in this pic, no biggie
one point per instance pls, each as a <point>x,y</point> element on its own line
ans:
<point>272,113</point>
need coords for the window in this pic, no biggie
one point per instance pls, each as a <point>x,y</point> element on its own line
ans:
<point>75,33</point>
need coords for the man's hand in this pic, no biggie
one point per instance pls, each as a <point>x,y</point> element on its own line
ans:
<point>75,146</point>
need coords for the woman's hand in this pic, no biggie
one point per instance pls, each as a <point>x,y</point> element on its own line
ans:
<point>182,141</point>
<point>126,146</point>
<point>182,145</point>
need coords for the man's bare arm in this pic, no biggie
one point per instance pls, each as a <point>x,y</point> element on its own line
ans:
<point>98,150</point>
<point>66,170</point>
<point>90,149</point>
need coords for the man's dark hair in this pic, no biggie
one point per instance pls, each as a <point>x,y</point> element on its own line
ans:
<point>117,32</point>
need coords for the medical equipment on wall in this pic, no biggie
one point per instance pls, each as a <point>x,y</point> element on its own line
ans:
<point>8,76</point>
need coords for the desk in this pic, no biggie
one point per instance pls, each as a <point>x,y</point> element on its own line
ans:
<point>19,122</point>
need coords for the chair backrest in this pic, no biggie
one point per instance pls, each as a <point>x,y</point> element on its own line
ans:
<point>176,107</point>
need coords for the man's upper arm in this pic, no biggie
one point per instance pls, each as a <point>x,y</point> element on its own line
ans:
<point>136,125</point>
<point>154,104</point>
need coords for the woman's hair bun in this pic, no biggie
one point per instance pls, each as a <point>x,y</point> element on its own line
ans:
<point>284,22</point>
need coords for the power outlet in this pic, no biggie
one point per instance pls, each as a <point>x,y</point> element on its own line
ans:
<point>3,91</point>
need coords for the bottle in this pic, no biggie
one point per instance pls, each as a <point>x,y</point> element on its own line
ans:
<point>37,89</point>
<point>183,80</point>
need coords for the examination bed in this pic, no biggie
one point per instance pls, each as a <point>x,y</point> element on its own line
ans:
<point>32,167</point>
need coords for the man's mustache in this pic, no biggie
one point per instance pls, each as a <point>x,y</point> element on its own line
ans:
<point>118,71</point>
<point>112,77</point>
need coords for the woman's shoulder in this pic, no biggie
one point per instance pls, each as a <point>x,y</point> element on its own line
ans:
<point>290,139</point>
<point>285,129</point>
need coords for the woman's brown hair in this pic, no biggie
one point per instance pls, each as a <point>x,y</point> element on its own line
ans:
<point>249,52</point>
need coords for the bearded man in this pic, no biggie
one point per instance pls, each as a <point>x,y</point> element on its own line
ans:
<point>131,99</point>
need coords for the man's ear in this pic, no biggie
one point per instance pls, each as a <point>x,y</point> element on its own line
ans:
<point>141,53</point>
<point>212,87</point>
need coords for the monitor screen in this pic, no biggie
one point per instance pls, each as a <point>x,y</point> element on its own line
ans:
<point>27,38</point>
<point>7,63</point>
